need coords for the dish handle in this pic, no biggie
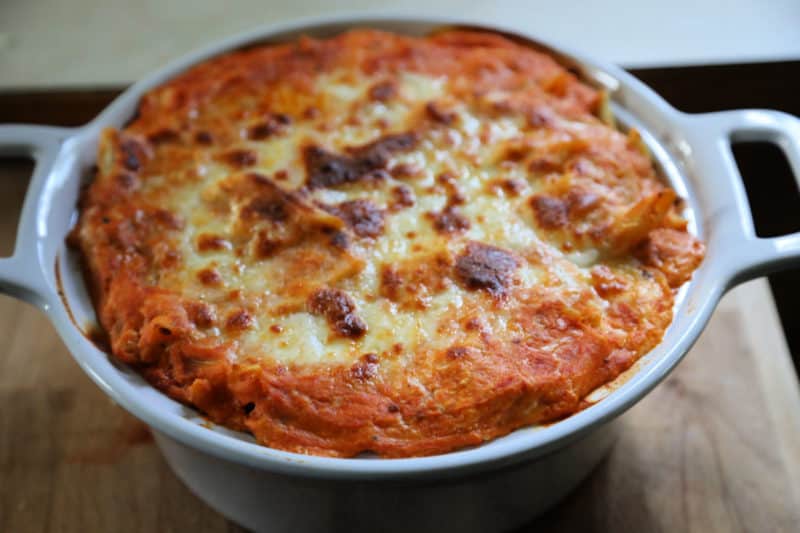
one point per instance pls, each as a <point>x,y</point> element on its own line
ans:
<point>744,255</point>
<point>21,274</point>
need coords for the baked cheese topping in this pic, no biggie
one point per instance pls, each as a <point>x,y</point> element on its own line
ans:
<point>381,243</point>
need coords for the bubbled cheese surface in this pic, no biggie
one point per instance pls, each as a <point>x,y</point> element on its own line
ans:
<point>377,210</point>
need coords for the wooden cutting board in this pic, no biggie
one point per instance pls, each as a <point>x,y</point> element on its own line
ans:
<point>716,447</point>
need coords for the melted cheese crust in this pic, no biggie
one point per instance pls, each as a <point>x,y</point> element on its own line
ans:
<point>380,243</point>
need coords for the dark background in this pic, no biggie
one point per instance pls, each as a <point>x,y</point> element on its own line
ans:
<point>772,191</point>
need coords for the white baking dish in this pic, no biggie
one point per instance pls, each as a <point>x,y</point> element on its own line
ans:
<point>487,488</point>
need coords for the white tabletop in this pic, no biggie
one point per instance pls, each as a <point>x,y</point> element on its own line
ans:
<point>58,43</point>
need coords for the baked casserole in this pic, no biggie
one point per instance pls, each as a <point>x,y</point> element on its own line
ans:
<point>381,243</point>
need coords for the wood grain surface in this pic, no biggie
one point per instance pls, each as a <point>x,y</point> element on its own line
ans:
<point>716,447</point>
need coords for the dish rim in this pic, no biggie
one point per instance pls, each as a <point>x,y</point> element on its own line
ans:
<point>523,444</point>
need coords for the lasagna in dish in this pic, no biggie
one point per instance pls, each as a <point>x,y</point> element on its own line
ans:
<point>380,243</point>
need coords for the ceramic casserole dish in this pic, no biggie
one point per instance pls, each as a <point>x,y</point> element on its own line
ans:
<point>492,487</point>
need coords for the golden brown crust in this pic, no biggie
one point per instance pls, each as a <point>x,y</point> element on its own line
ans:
<point>380,243</point>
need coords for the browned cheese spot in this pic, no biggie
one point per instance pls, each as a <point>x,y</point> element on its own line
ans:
<point>204,137</point>
<point>126,181</point>
<point>383,91</point>
<point>266,246</point>
<point>544,164</point>
<point>163,136</point>
<point>210,277</point>
<point>391,282</point>
<point>362,216</point>
<point>201,313</point>
<point>268,202</point>
<point>207,242</point>
<point>340,240</point>
<point>551,212</point>
<point>438,113</point>
<point>339,310</point>
<point>132,152</point>
<point>239,320</point>
<point>539,117</point>
<point>326,169</point>
<point>239,158</point>
<point>457,352</point>
<point>580,202</point>
<point>675,253</point>
<point>554,212</point>
<point>472,324</point>
<point>405,171</point>
<point>355,120</point>
<point>366,368</point>
<point>167,219</point>
<point>310,113</point>
<point>449,220</point>
<point>450,184</point>
<point>271,208</point>
<point>274,124</point>
<point>171,259</point>
<point>512,187</point>
<point>279,218</point>
<point>481,266</point>
<point>606,283</point>
<point>515,154</point>
<point>402,197</point>
<point>412,282</point>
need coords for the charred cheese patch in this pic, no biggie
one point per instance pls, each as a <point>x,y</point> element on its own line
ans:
<point>380,243</point>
